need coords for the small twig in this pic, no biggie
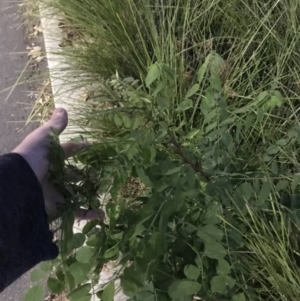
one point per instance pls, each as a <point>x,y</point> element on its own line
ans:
<point>196,166</point>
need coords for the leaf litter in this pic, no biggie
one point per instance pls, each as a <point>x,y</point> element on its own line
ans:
<point>35,53</point>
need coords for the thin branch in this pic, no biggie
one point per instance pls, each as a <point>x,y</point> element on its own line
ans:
<point>196,166</point>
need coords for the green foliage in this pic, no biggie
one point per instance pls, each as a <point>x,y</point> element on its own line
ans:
<point>191,272</point>
<point>81,293</point>
<point>77,241</point>
<point>192,226</point>
<point>84,254</point>
<point>257,41</point>
<point>202,117</point>
<point>181,288</point>
<point>239,297</point>
<point>37,275</point>
<point>34,293</point>
<point>79,271</point>
<point>46,266</point>
<point>220,283</point>
<point>55,286</point>
<point>109,292</point>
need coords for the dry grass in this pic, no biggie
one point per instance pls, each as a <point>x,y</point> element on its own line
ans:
<point>44,103</point>
<point>31,18</point>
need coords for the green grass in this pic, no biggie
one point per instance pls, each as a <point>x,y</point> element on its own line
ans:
<point>258,41</point>
<point>274,262</point>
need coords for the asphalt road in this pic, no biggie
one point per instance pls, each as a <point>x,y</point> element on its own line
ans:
<point>15,109</point>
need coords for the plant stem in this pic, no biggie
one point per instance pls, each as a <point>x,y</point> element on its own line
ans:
<point>196,166</point>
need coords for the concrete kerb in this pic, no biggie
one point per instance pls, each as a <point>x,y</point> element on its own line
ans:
<point>66,94</point>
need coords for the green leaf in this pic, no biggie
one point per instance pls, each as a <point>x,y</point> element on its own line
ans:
<point>260,114</point>
<point>37,275</point>
<point>173,170</point>
<point>162,103</point>
<point>141,216</point>
<point>246,190</point>
<point>295,202</point>
<point>79,271</point>
<point>210,233</point>
<point>262,95</point>
<point>70,281</point>
<point>264,193</point>
<point>191,135</point>
<point>80,293</point>
<point>168,71</point>
<point>209,164</point>
<point>295,183</point>
<point>211,127</point>
<point>35,293</point>
<point>209,117</point>
<point>208,102</point>
<point>117,119</point>
<point>139,229</point>
<point>147,296</point>
<point>235,236</point>
<point>77,241</point>
<point>184,105</point>
<point>274,167</point>
<point>182,288</point>
<point>158,242</point>
<point>274,101</point>
<point>292,133</point>
<point>266,158</point>
<point>217,62</point>
<point>203,69</point>
<point>223,267</point>
<point>211,215</point>
<point>92,240</point>
<point>272,149</point>
<point>55,286</point>
<point>158,88</point>
<point>143,177</point>
<point>214,250</point>
<point>239,297</point>
<point>60,275</point>
<point>126,121</point>
<point>84,298</point>
<point>153,74</point>
<point>228,142</point>
<point>216,81</point>
<point>84,254</point>
<point>230,120</point>
<point>192,91</point>
<point>112,252</point>
<point>67,223</point>
<point>282,185</point>
<point>129,286</point>
<point>46,266</point>
<point>220,283</point>
<point>135,122</point>
<point>191,272</point>
<point>248,122</point>
<point>109,292</point>
<point>282,142</point>
<point>100,293</point>
<point>89,226</point>
<point>278,95</point>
